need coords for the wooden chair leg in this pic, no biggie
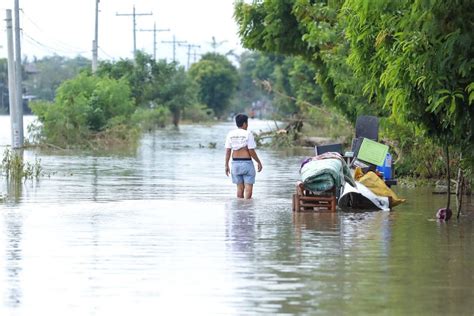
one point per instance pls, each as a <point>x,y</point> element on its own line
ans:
<point>293,206</point>
<point>297,203</point>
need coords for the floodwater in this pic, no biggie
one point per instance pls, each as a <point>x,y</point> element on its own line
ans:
<point>157,231</point>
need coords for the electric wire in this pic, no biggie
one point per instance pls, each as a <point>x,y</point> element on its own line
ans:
<point>56,44</point>
<point>106,54</point>
<point>49,48</point>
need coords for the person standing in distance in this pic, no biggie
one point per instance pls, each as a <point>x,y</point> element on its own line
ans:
<point>240,144</point>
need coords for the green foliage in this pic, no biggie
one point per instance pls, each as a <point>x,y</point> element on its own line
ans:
<point>198,113</point>
<point>217,80</point>
<point>287,82</point>
<point>270,26</point>
<point>15,169</point>
<point>411,60</point>
<point>84,105</point>
<point>311,31</point>
<point>416,59</point>
<point>320,122</point>
<point>178,93</point>
<point>247,91</point>
<point>149,119</point>
<point>154,82</point>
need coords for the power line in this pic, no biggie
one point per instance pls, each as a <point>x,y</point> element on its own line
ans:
<point>57,42</point>
<point>106,54</point>
<point>134,15</point>
<point>39,44</point>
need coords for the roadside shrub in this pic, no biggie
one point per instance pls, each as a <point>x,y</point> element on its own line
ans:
<point>83,106</point>
<point>198,112</point>
<point>149,119</point>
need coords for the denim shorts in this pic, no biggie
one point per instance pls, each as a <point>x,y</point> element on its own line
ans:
<point>243,171</point>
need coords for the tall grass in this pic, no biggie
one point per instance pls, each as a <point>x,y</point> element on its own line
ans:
<point>14,168</point>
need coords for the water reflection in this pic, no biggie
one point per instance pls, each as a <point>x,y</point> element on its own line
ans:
<point>14,191</point>
<point>157,230</point>
<point>14,226</point>
<point>240,226</point>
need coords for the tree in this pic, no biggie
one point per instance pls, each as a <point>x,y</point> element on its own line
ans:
<point>407,60</point>
<point>247,91</point>
<point>416,58</point>
<point>154,83</point>
<point>177,93</point>
<point>311,31</point>
<point>217,80</point>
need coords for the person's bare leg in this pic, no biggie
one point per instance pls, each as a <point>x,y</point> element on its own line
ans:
<point>248,191</point>
<point>240,190</point>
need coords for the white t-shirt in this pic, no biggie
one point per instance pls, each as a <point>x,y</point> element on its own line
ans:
<point>239,138</point>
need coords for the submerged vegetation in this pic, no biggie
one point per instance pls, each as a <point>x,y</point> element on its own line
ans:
<point>14,168</point>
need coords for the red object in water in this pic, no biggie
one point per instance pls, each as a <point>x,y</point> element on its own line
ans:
<point>444,214</point>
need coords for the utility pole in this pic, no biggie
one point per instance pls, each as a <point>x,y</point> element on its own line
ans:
<point>189,52</point>
<point>154,30</point>
<point>134,15</point>
<point>18,79</point>
<point>215,44</point>
<point>195,55</point>
<point>174,42</point>
<point>15,132</point>
<point>95,42</point>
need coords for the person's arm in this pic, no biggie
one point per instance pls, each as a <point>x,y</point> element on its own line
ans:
<point>254,155</point>
<point>227,158</point>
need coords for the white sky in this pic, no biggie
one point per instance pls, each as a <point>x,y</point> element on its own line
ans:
<point>66,27</point>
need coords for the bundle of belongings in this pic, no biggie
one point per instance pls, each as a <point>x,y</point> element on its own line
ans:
<point>325,172</point>
<point>329,171</point>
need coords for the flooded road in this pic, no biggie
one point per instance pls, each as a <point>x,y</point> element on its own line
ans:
<point>157,231</point>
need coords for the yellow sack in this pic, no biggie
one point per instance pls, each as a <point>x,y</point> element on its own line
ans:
<point>358,173</point>
<point>378,187</point>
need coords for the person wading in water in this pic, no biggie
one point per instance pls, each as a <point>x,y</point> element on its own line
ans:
<point>240,144</point>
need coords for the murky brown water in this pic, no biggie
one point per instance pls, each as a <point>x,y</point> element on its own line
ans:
<point>158,232</point>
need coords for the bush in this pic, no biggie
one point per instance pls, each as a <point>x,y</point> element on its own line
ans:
<point>83,106</point>
<point>198,113</point>
<point>149,119</point>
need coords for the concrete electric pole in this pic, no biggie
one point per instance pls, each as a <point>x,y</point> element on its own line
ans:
<point>174,42</point>
<point>15,131</point>
<point>189,53</point>
<point>154,30</point>
<point>215,44</point>
<point>134,15</point>
<point>18,76</point>
<point>95,42</point>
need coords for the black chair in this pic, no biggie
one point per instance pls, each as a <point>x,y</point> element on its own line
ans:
<point>321,149</point>
<point>367,126</point>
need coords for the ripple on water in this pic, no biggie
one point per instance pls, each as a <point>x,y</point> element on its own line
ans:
<point>157,231</point>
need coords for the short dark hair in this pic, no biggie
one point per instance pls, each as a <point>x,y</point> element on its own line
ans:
<point>240,119</point>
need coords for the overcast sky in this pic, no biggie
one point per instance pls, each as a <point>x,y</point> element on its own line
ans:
<point>66,27</point>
